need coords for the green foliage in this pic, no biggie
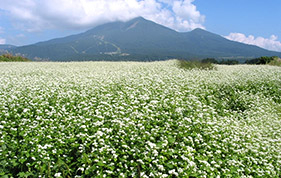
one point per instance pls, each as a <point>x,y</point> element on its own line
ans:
<point>261,60</point>
<point>225,62</point>
<point>210,60</point>
<point>275,62</point>
<point>11,58</point>
<point>229,62</point>
<point>133,119</point>
<point>184,64</point>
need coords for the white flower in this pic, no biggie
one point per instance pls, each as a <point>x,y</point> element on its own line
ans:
<point>99,133</point>
<point>161,167</point>
<point>58,174</point>
<point>152,145</point>
<point>173,171</point>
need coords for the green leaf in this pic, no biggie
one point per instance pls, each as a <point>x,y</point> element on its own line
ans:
<point>171,139</point>
<point>100,164</point>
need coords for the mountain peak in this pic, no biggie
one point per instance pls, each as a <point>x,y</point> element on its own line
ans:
<point>138,18</point>
<point>140,39</point>
<point>200,30</point>
<point>203,33</point>
<point>133,22</point>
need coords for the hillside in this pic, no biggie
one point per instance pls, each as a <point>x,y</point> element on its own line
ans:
<point>4,48</point>
<point>140,39</point>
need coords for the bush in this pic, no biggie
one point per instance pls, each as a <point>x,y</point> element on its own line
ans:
<point>214,61</point>
<point>261,60</point>
<point>10,58</point>
<point>229,62</point>
<point>275,62</point>
<point>210,60</point>
<point>195,65</point>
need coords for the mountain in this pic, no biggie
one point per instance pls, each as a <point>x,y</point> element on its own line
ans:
<point>139,39</point>
<point>5,48</point>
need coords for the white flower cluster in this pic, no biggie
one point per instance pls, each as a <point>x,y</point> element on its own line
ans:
<point>130,119</point>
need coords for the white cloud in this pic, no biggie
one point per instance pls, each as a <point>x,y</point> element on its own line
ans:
<point>186,10</point>
<point>37,15</point>
<point>2,41</point>
<point>268,43</point>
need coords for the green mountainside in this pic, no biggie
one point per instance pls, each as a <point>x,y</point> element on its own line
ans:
<point>142,40</point>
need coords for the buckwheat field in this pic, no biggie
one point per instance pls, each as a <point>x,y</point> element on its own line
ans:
<point>133,119</point>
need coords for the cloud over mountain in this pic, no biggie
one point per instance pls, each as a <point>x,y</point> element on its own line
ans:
<point>36,15</point>
<point>268,43</point>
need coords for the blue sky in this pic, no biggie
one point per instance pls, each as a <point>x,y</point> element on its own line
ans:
<point>252,17</point>
<point>255,22</point>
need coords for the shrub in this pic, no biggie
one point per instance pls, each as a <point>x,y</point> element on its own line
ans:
<point>210,60</point>
<point>229,62</point>
<point>261,60</point>
<point>214,61</point>
<point>10,58</point>
<point>275,62</point>
<point>195,65</point>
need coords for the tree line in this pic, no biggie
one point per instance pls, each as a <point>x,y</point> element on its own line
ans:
<point>257,61</point>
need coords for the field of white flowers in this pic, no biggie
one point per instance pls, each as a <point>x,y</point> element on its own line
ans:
<point>132,119</point>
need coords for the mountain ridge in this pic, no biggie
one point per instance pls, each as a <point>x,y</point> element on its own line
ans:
<point>4,48</point>
<point>139,39</point>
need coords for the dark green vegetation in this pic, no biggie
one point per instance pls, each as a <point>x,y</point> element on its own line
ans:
<point>263,60</point>
<point>184,64</point>
<point>275,62</point>
<point>11,58</point>
<point>142,40</point>
<point>223,61</point>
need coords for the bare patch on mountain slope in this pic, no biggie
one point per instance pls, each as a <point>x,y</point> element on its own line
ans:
<point>103,41</point>
<point>132,26</point>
